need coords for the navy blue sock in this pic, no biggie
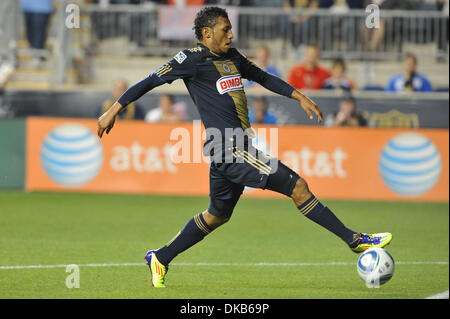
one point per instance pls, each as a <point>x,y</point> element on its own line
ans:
<point>322,215</point>
<point>194,231</point>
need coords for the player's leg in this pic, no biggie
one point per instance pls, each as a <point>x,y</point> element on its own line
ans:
<point>262,171</point>
<point>223,198</point>
<point>286,181</point>
<point>193,232</point>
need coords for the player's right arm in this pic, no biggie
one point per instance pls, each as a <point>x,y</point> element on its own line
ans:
<point>307,105</point>
<point>183,65</point>
<point>277,85</point>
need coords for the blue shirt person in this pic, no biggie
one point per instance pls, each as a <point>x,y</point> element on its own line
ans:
<point>37,6</point>
<point>37,15</point>
<point>410,80</point>
<point>262,58</point>
<point>259,113</point>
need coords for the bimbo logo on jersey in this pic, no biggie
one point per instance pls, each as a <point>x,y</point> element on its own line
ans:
<point>229,83</point>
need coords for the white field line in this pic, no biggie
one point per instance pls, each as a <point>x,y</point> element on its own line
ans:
<point>261,264</point>
<point>442,295</point>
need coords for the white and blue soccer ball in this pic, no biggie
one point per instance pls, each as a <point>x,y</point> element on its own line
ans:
<point>375,267</point>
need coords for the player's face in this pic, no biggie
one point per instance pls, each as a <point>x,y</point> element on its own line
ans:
<point>221,36</point>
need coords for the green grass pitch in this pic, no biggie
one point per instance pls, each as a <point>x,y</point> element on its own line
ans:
<point>302,260</point>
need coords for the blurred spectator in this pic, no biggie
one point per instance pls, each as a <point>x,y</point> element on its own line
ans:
<point>183,3</point>
<point>343,27</point>
<point>167,111</point>
<point>259,113</point>
<point>308,74</point>
<point>442,36</point>
<point>242,3</point>
<point>425,5</point>
<point>355,4</point>
<point>445,6</point>
<point>372,37</point>
<point>410,80</point>
<point>132,112</point>
<point>325,4</point>
<point>37,14</point>
<point>264,26</point>
<point>347,114</point>
<point>6,72</point>
<point>303,28</point>
<point>262,58</point>
<point>139,24</point>
<point>135,25</point>
<point>338,79</point>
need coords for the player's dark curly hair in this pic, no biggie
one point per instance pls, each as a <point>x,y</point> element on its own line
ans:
<point>207,17</point>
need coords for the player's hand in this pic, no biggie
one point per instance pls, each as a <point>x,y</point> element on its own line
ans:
<point>308,105</point>
<point>105,123</point>
<point>107,120</point>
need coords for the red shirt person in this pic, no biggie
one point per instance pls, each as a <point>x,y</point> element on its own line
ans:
<point>308,74</point>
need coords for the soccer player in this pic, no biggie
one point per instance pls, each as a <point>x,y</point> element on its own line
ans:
<point>212,73</point>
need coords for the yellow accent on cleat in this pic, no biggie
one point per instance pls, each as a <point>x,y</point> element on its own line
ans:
<point>157,271</point>
<point>367,241</point>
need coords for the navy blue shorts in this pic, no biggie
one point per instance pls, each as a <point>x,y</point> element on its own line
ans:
<point>227,180</point>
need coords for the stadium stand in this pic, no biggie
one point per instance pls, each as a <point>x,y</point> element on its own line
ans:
<point>92,42</point>
<point>106,34</point>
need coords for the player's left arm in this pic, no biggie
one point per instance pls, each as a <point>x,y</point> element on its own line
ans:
<point>273,83</point>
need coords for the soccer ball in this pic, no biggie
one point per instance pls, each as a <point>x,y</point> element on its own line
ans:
<point>375,267</point>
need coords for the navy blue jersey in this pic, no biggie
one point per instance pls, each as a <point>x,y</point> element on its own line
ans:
<point>215,84</point>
